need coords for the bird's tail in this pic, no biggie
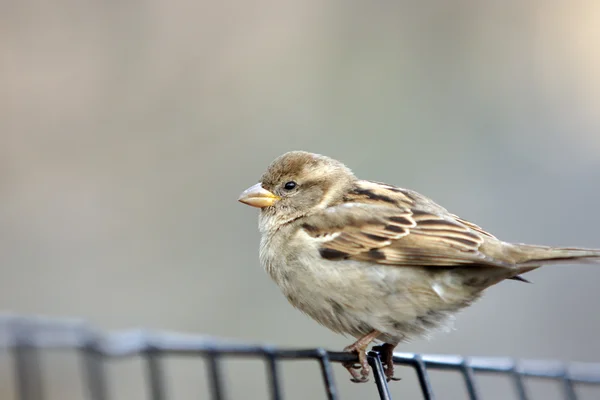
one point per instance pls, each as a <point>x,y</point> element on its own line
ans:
<point>531,255</point>
<point>526,257</point>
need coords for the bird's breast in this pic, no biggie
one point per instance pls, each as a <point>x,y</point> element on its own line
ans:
<point>355,297</point>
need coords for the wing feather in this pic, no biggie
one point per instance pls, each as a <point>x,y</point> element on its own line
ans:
<point>392,226</point>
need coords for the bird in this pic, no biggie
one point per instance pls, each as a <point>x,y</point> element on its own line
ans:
<point>374,261</point>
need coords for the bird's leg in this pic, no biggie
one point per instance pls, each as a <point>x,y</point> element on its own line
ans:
<point>387,354</point>
<point>359,347</point>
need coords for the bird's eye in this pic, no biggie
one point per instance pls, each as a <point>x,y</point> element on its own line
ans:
<point>289,185</point>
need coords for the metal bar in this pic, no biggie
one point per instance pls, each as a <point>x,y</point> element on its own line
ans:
<point>57,334</point>
<point>517,378</point>
<point>94,373</point>
<point>155,376</point>
<point>273,375</point>
<point>28,373</point>
<point>27,362</point>
<point>569,389</point>
<point>423,376</point>
<point>469,378</point>
<point>215,376</point>
<point>567,385</point>
<point>379,375</point>
<point>24,337</point>
<point>327,373</point>
<point>578,372</point>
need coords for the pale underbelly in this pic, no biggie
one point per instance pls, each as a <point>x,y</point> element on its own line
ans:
<point>354,299</point>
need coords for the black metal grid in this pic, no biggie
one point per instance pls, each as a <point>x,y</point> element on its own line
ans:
<point>25,337</point>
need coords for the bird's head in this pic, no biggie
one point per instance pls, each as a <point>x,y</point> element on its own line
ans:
<point>297,183</point>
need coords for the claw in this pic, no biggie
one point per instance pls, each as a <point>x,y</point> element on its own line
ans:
<point>360,372</point>
<point>357,376</point>
<point>386,351</point>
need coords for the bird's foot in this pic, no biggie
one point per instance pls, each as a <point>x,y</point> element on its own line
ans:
<point>357,371</point>
<point>386,351</point>
<point>360,372</point>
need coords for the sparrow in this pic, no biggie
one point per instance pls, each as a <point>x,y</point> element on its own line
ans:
<point>375,261</point>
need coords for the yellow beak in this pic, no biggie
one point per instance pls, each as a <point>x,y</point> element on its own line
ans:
<point>256,196</point>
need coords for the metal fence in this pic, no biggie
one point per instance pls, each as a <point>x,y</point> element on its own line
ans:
<point>23,339</point>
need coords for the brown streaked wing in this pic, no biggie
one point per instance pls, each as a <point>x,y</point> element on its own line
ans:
<point>369,192</point>
<point>376,225</point>
<point>471,225</point>
<point>351,229</point>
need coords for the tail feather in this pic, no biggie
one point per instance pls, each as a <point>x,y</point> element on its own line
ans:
<point>531,255</point>
<point>519,278</point>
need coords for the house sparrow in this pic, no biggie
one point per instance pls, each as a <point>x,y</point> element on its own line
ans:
<point>374,261</point>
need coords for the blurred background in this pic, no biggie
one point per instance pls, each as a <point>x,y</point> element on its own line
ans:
<point>128,130</point>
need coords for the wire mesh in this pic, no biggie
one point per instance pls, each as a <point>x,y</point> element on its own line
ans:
<point>23,338</point>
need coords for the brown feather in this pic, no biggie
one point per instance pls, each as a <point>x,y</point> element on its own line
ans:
<point>386,225</point>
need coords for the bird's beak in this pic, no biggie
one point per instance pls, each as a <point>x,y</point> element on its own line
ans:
<point>256,196</point>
